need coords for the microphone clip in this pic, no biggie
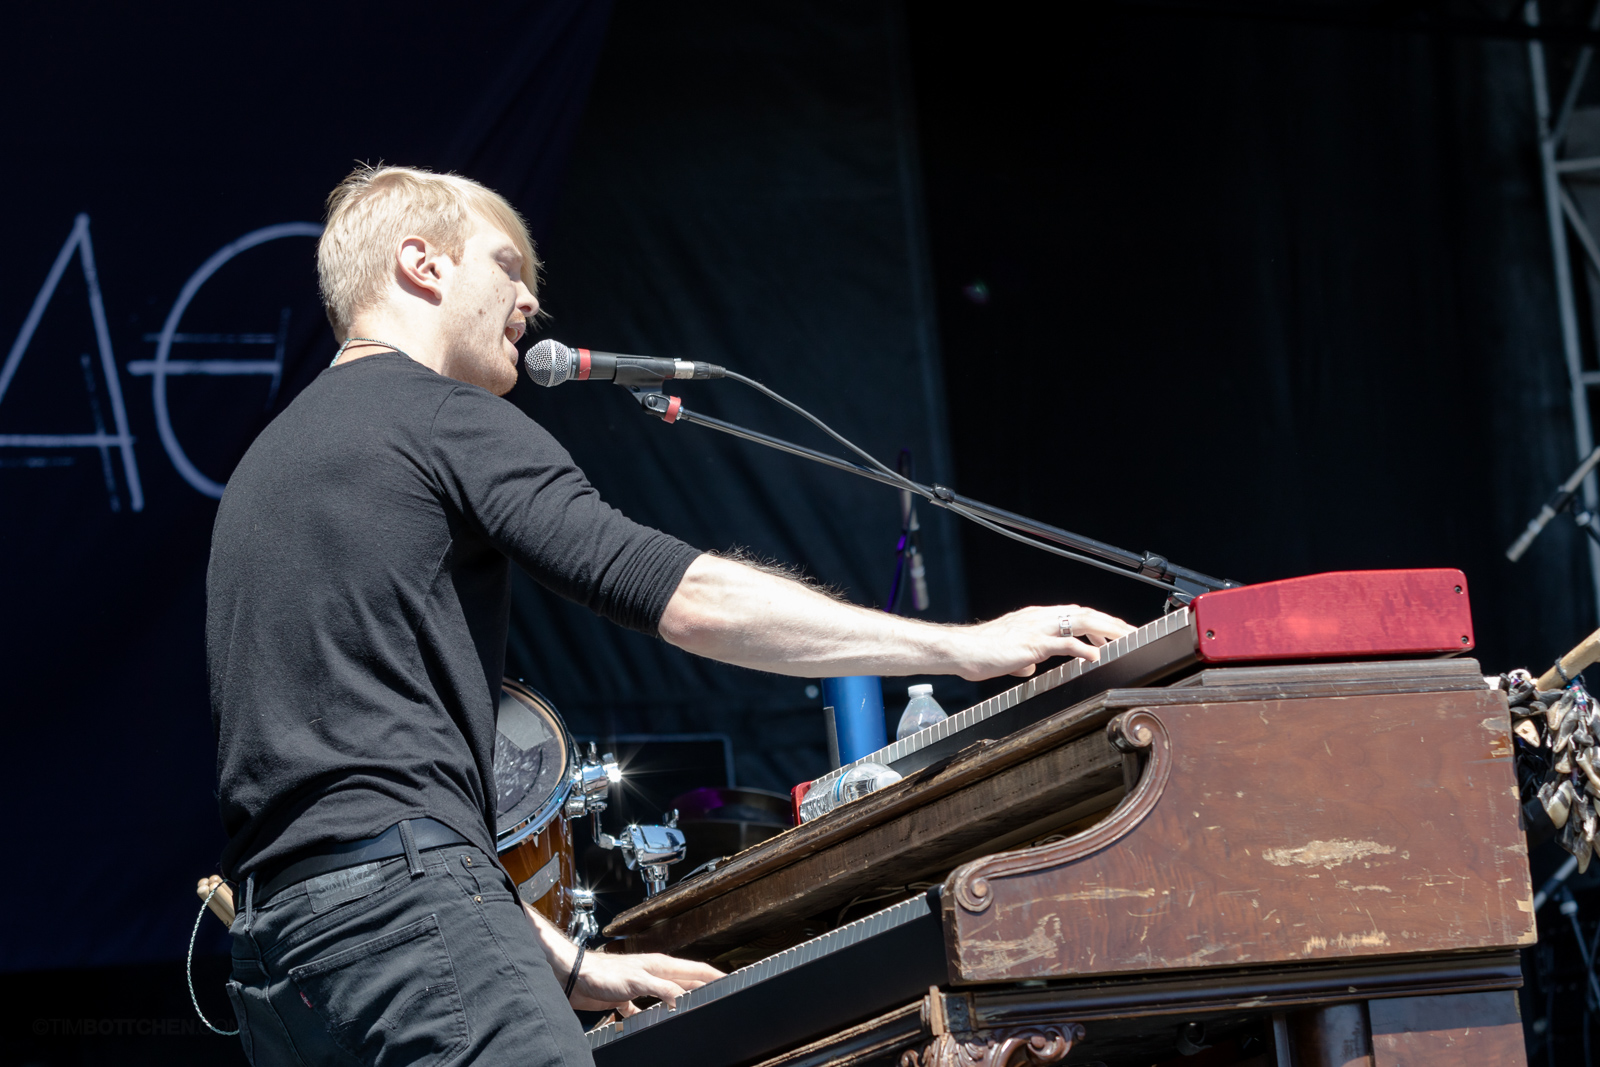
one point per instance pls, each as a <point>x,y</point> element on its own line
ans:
<point>664,407</point>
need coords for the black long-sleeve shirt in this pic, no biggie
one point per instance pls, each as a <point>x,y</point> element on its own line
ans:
<point>358,599</point>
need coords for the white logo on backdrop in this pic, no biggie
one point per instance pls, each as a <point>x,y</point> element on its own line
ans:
<point>158,370</point>
<point>78,241</point>
<point>162,366</point>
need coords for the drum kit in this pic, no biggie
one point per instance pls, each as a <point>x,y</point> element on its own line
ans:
<point>543,784</point>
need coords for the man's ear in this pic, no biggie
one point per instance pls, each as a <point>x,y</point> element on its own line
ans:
<point>420,267</point>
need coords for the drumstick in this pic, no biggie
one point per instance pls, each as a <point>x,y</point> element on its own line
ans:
<point>1587,653</point>
<point>221,902</point>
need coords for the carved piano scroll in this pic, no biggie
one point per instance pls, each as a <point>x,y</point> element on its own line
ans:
<point>955,1042</point>
<point>1132,731</point>
<point>997,1048</point>
<point>1267,832</point>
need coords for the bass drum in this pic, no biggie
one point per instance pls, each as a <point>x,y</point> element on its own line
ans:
<point>535,766</point>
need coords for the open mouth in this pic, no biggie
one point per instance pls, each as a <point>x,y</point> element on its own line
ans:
<point>515,331</point>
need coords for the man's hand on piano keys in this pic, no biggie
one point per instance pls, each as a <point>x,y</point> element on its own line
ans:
<point>1017,643</point>
<point>611,982</point>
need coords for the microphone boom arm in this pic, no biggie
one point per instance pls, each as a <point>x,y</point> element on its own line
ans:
<point>1180,583</point>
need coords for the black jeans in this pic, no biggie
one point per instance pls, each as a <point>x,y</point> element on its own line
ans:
<point>424,962</point>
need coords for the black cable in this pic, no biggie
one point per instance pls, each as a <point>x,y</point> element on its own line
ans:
<point>907,483</point>
<point>1045,546</point>
<point>905,548</point>
<point>927,493</point>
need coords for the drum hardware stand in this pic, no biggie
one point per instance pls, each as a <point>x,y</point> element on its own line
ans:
<point>591,783</point>
<point>1180,584</point>
<point>583,928</point>
<point>648,849</point>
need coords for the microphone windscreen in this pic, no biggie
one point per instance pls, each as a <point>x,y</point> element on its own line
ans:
<point>549,362</point>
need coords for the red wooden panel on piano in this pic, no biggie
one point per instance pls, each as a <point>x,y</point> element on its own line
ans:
<point>1338,615</point>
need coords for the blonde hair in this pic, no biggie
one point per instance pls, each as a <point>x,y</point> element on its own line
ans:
<point>376,207</point>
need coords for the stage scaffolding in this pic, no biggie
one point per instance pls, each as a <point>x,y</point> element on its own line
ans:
<point>1566,160</point>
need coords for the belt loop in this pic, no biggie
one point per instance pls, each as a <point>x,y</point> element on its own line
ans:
<point>409,840</point>
<point>250,901</point>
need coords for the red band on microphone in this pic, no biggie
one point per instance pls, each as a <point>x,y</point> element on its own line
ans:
<point>672,409</point>
<point>583,364</point>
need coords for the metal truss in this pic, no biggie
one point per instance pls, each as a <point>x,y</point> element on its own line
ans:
<point>1564,217</point>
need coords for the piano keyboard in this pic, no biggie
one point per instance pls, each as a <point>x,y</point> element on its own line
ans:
<point>854,972</point>
<point>1149,653</point>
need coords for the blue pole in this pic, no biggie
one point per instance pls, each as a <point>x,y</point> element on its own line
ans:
<point>857,704</point>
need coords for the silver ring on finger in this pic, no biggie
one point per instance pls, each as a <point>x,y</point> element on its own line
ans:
<point>1064,625</point>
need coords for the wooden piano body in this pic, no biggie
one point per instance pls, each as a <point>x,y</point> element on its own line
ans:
<point>1247,860</point>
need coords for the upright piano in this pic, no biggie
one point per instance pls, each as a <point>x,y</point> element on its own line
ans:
<point>1279,826</point>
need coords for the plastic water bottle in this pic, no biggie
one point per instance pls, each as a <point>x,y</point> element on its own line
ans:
<point>862,779</point>
<point>855,783</point>
<point>922,712</point>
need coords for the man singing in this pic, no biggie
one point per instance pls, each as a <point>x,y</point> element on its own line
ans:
<point>357,608</point>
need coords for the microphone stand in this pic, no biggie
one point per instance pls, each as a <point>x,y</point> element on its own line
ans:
<point>1181,584</point>
<point>1564,499</point>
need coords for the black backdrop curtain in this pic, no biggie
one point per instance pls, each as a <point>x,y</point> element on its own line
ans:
<point>1270,296</point>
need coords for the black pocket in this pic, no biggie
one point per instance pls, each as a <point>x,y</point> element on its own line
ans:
<point>391,1000</point>
<point>236,998</point>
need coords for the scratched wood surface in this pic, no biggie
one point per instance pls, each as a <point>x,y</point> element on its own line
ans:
<point>894,853</point>
<point>660,913</point>
<point>1285,830</point>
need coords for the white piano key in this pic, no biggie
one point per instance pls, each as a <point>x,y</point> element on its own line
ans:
<point>850,934</point>
<point>962,720</point>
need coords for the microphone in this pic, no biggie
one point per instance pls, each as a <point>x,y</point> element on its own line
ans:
<point>549,363</point>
